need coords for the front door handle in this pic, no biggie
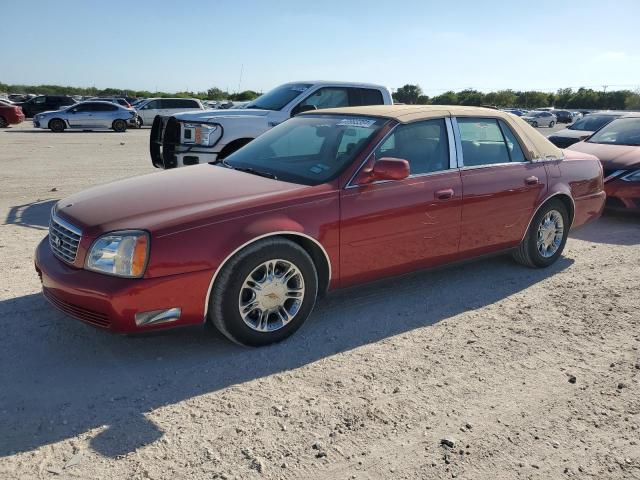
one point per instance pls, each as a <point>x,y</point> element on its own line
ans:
<point>532,180</point>
<point>444,194</point>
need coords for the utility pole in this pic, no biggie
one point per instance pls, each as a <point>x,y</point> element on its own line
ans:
<point>604,94</point>
<point>240,81</point>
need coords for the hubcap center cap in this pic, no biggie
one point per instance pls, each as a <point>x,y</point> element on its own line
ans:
<point>272,295</point>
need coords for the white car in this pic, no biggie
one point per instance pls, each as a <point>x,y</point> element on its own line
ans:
<point>151,107</point>
<point>210,136</point>
<point>91,115</point>
<point>540,118</point>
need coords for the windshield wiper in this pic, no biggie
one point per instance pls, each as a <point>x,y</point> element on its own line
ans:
<point>256,172</point>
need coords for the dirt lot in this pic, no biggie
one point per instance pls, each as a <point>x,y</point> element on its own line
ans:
<point>527,373</point>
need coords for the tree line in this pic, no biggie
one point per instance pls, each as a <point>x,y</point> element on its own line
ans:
<point>586,98</point>
<point>210,94</point>
<point>411,94</point>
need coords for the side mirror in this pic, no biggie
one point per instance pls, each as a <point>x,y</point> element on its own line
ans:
<point>583,137</point>
<point>386,168</point>
<point>301,109</point>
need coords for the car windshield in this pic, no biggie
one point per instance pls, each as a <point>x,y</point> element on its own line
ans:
<point>308,149</point>
<point>277,98</point>
<point>591,123</point>
<point>537,114</point>
<point>623,131</point>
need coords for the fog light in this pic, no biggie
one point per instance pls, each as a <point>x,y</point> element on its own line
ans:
<point>155,317</point>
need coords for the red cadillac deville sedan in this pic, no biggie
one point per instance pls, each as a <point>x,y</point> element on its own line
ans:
<point>324,200</point>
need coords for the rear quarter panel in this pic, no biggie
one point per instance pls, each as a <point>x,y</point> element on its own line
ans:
<point>579,175</point>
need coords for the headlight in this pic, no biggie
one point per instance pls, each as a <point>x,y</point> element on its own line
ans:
<point>632,177</point>
<point>200,133</point>
<point>123,254</point>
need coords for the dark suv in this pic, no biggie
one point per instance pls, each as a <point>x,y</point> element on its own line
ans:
<point>45,103</point>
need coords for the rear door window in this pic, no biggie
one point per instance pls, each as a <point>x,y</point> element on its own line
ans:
<point>515,150</point>
<point>482,142</point>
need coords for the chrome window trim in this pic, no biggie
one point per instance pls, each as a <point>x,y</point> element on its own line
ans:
<point>456,134</point>
<point>615,174</point>
<point>453,158</point>
<point>253,240</point>
<point>452,155</point>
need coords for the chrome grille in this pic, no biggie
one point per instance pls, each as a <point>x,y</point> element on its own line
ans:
<point>64,239</point>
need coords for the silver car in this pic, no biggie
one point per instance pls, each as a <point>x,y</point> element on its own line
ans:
<point>540,118</point>
<point>90,115</point>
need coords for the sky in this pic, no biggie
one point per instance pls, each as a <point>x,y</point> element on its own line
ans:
<point>169,45</point>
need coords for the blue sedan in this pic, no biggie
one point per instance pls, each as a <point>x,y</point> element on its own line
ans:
<point>90,115</point>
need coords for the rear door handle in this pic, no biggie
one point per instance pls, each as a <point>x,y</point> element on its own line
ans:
<point>444,194</point>
<point>532,180</point>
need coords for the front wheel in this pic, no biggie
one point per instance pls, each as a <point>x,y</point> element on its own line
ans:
<point>119,125</point>
<point>3,122</point>
<point>57,125</point>
<point>545,239</point>
<point>535,124</point>
<point>264,293</point>
<point>139,122</point>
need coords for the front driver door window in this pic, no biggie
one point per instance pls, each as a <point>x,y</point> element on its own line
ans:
<point>392,227</point>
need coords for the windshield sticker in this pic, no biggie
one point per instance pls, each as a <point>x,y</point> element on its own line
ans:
<point>299,89</point>
<point>319,168</point>
<point>356,122</point>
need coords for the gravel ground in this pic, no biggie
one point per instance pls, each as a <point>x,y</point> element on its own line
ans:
<point>483,371</point>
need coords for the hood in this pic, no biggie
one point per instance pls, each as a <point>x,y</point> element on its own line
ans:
<point>47,112</point>
<point>169,200</point>
<point>568,133</point>
<point>210,115</point>
<point>613,157</point>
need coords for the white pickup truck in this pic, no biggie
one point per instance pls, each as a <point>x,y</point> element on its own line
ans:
<point>190,138</point>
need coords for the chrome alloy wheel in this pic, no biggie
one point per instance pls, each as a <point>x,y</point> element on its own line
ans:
<point>271,295</point>
<point>550,233</point>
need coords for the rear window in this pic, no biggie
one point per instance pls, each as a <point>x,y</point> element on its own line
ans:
<point>591,123</point>
<point>179,103</point>
<point>365,96</point>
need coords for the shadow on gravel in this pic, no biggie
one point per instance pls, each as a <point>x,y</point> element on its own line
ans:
<point>31,215</point>
<point>613,228</point>
<point>61,378</point>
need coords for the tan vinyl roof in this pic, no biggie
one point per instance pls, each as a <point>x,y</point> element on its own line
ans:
<point>533,140</point>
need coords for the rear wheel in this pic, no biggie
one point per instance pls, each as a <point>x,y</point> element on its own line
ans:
<point>535,124</point>
<point>3,122</point>
<point>139,122</point>
<point>57,125</point>
<point>119,125</point>
<point>264,293</point>
<point>551,124</point>
<point>544,242</point>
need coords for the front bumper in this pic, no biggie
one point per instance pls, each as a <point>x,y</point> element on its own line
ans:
<point>167,152</point>
<point>111,303</point>
<point>622,195</point>
<point>36,123</point>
